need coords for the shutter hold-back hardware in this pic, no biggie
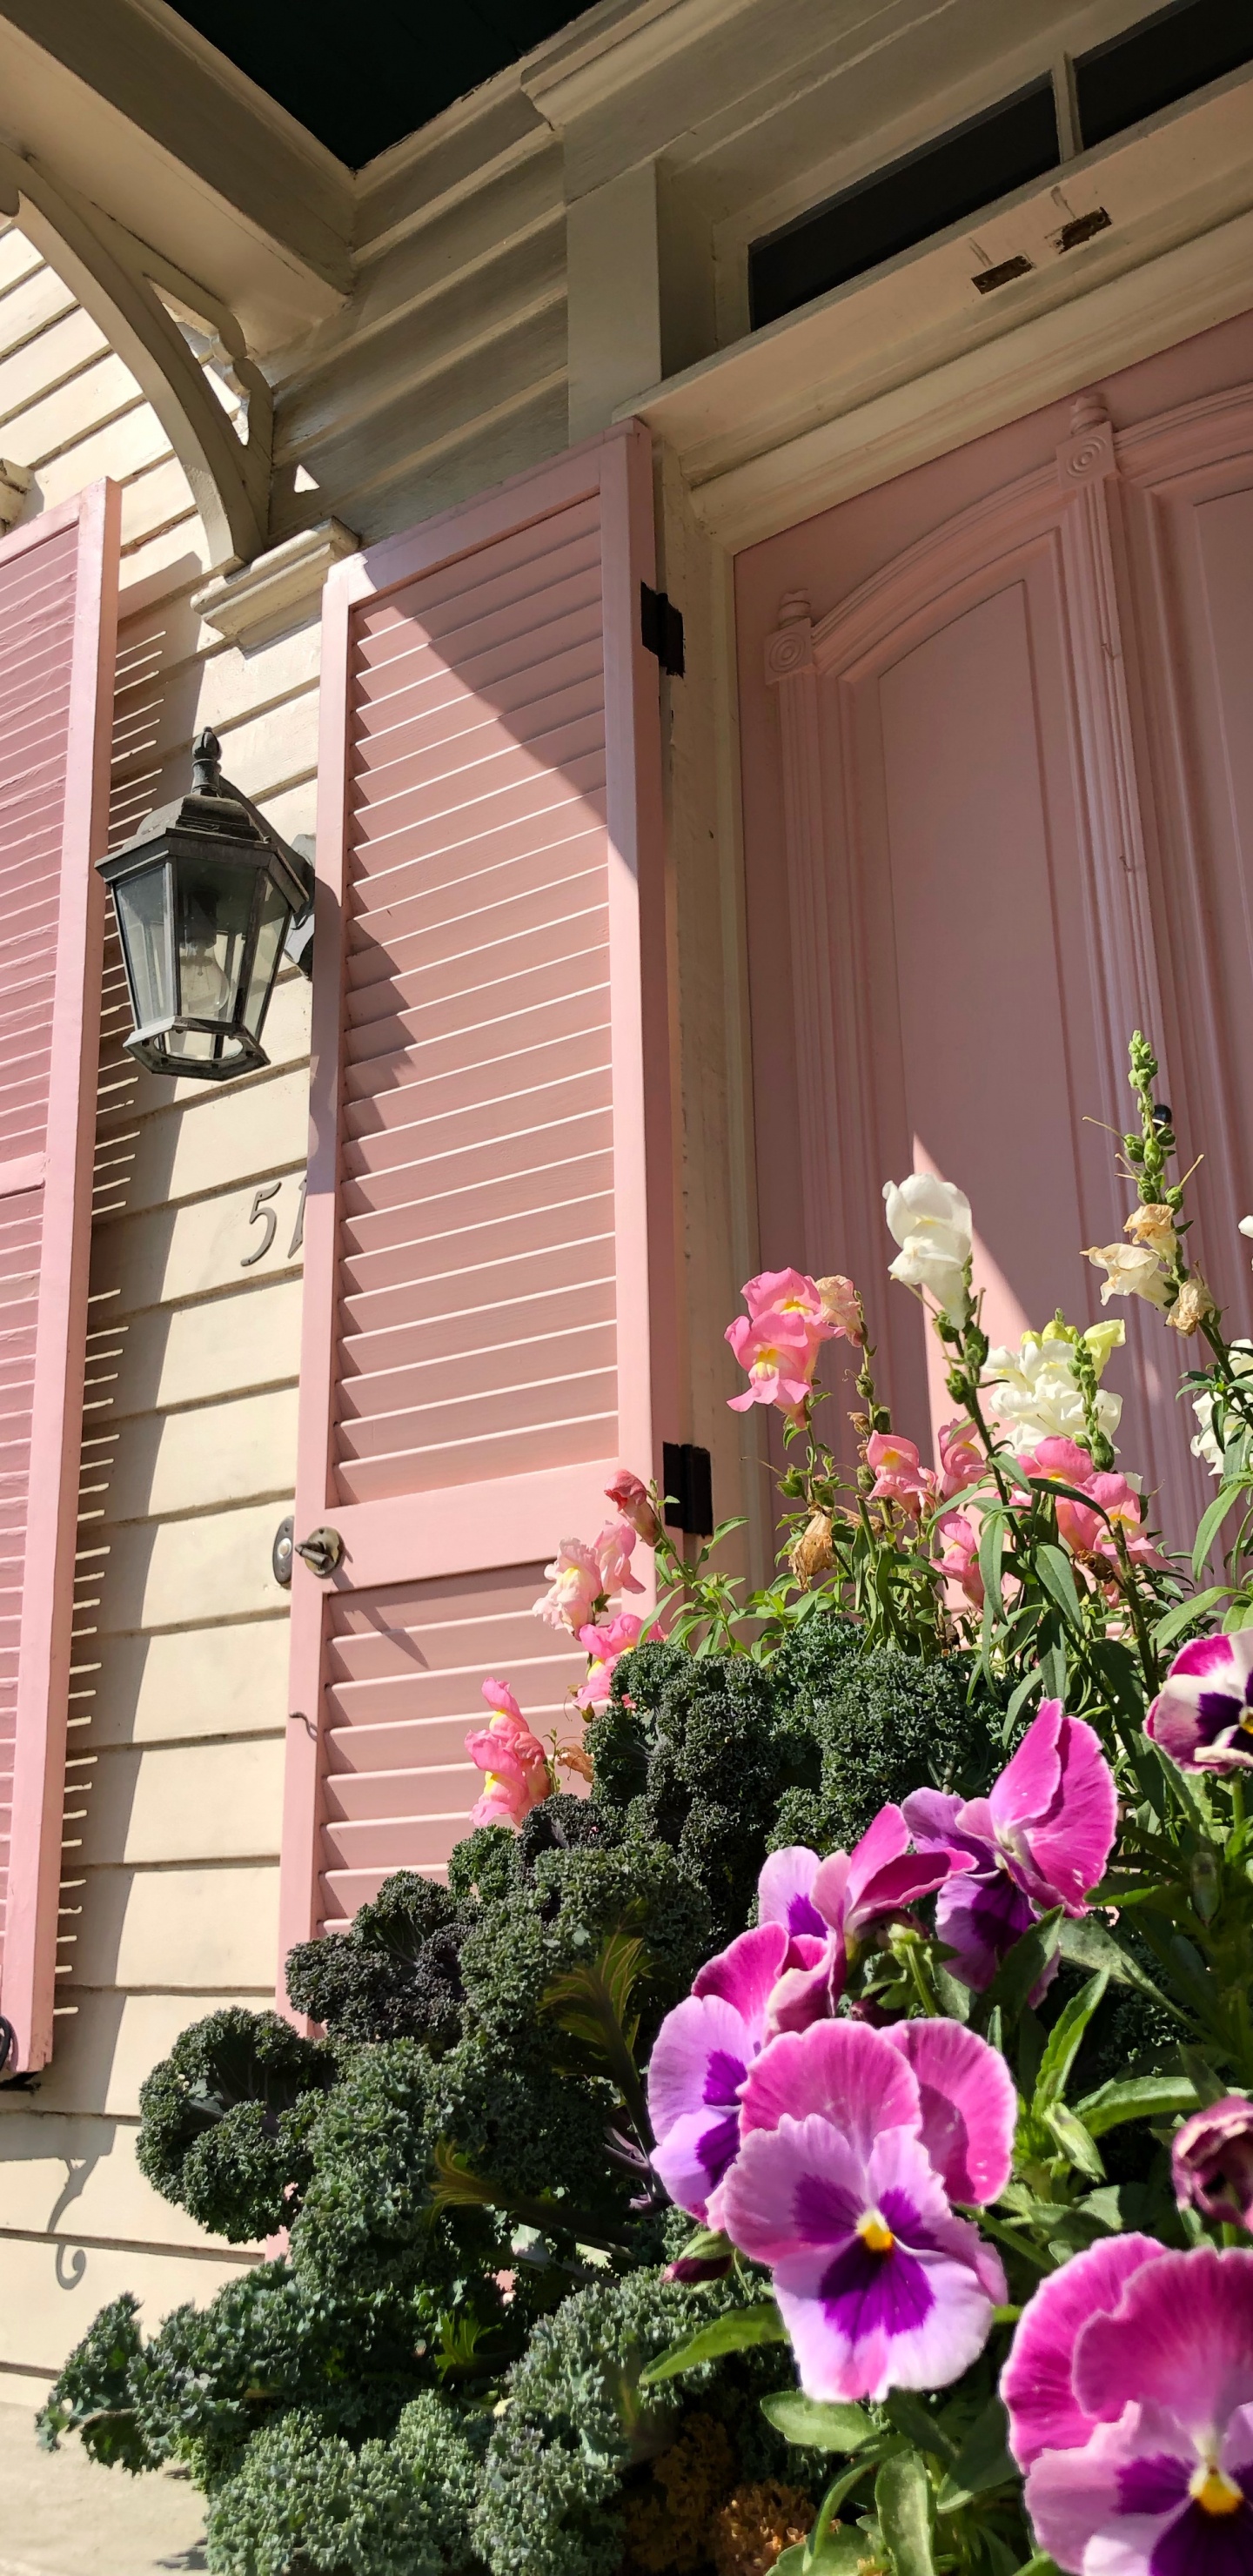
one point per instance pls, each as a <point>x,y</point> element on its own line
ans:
<point>688,1480</point>
<point>321,1550</point>
<point>661,630</point>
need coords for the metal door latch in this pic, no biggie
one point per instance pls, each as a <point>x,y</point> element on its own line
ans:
<point>321,1550</point>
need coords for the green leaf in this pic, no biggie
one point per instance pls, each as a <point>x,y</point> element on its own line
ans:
<point>1212,1522</point>
<point>1208,2086</point>
<point>902,2502</point>
<point>1184,1613</point>
<point>1090,1945</point>
<point>1064,2042</point>
<point>733,2333</point>
<point>815,2425</point>
<point>1020,1970</point>
<point>1054,1572</point>
<point>909,2416</point>
<point>840,2554</point>
<point>1074,2141</point>
<point>982,2462</point>
<point>1135,2097</point>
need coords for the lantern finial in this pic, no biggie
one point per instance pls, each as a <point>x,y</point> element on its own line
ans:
<point>206,764</point>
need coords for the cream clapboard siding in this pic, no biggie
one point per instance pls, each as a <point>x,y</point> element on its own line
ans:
<point>176,1741</point>
<point>446,371</point>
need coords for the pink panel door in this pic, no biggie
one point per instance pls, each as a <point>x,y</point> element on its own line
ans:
<point>58,610</point>
<point>488,1282</point>
<point>998,813</point>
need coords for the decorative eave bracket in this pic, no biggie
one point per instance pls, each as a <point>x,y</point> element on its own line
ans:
<point>115,279</point>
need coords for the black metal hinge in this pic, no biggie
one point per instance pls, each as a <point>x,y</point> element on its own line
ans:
<point>661,630</point>
<point>689,1480</point>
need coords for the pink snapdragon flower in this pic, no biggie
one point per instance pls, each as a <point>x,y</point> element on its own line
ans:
<point>962,1461</point>
<point>1086,1532</point>
<point>1129,2392</point>
<point>899,1475</point>
<point>605,1643</point>
<point>778,1352</point>
<point>613,1551</point>
<point>960,1561</point>
<point>1040,1838</point>
<point>518,1776</point>
<point>629,1496</point>
<point>828,1905</point>
<point>1203,1714</point>
<point>853,2144</point>
<point>785,1292</point>
<point>577,1583</point>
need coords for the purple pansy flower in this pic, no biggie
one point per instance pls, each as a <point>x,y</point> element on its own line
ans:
<point>841,1896</point>
<point>849,2137</point>
<point>1211,2161</point>
<point>1203,1714</point>
<point>1040,1838</point>
<point>702,2054</point>
<point>1130,2398</point>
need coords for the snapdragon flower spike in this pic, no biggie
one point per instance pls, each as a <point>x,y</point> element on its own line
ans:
<point>1146,2468</point>
<point>778,1352</point>
<point>1046,1828</point>
<point>700,2058</point>
<point>844,1894</point>
<point>837,2187</point>
<point>518,1777</point>
<point>1203,1715</point>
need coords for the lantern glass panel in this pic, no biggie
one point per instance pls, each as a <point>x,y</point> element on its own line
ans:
<point>144,923</point>
<point>215,903</point>
<point>275,915</point>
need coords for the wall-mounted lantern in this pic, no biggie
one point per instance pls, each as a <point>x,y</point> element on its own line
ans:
<point>205,895</point>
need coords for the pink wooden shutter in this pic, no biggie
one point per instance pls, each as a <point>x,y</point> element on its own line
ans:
<point>489,1242</point>
<point>58,614</point>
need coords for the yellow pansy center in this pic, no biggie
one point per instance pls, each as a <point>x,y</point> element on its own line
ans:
<point>1215,2492</point>
<point>875,2233</point>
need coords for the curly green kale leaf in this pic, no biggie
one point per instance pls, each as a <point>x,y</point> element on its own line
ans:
<point>226,2120</point>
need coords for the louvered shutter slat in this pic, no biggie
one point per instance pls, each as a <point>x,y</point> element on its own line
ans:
<point>489,1301</point>
<point>58,607</point>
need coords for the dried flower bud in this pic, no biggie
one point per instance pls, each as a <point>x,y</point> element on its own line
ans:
<point>571,1757</point>
<point>1155,1226</point>
<point>810,1552</point>
<point>756,2524</point>
<point>1192,1305</point>
<point>841,1306</point>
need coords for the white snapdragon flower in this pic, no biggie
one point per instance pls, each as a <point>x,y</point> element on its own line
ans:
<point>1134,1270</point>
<point>930,1219</point>
<point>1036,1393</point>
<point>1207,1445</point>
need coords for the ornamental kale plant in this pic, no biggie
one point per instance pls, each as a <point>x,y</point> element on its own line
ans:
<point>813,2128</point>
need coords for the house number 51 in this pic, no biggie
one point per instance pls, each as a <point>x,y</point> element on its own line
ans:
<point>263,1213</point>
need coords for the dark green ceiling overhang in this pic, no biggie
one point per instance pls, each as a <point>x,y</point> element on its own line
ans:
<point>361,78</point>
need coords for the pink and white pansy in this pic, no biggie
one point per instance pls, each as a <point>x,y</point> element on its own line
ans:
<point>829,1905</point>
<point>854,2145</point>
<point>1129,2392</point>
<point>700,2059</point>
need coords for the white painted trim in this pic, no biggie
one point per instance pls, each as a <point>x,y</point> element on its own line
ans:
<point>909,362</point>
<point>277,589</point>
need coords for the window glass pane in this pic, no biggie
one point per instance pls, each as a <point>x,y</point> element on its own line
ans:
<point>967,169</point>
<point>1146,68</point>
<point>142,903</point>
